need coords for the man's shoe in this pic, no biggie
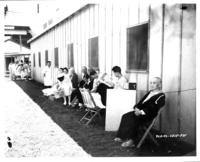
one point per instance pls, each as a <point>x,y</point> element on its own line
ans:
<point>128,143</point>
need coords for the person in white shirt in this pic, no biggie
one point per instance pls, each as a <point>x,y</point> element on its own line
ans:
<point>11,70</point>
<point>106,82</point>
<point>119,81</point>
<point>47,75</point>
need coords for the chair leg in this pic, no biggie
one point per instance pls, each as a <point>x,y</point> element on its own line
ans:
<point>84,116</point>
<point>153,139</point>
<point>142,139</point>
<point>147,132</point>
<point>145,135</point>
<point>92,118</point>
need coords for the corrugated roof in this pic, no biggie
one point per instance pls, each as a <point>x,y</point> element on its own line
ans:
<point>59,22</point>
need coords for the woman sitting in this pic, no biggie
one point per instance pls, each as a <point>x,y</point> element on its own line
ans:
<point>57,90</point>
<point>144,111</point>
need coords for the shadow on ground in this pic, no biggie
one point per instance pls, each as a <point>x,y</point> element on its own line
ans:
<point>94,139</point>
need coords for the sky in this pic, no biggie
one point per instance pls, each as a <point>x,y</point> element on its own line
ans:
<point>25,12</point>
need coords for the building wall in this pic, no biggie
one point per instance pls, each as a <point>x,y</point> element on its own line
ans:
<point>171,53</point>
<point>174,52</point>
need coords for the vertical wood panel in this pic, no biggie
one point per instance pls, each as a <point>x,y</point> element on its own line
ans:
<point>123,36</point>
<point>171,48</point>
<point>188,77</point>
<point>102,40</point>
<point>188,72</point>
<point>87,25</point>
<point>96,20</point>
<point>83,50</point>
<point>116,33</point>
<point>108,38</point>
<point>79,41</point>
<point>171,62</point>
<point>67,39</point>
<point>61,54</point>
<point>133,14</point>
<point>76,57</point>
<point>155,49</point>
<point>144,12</point>
<point>170,113</point>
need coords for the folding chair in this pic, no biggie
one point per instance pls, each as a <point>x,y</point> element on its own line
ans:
<point>147,131</point>
<point>92,109</point>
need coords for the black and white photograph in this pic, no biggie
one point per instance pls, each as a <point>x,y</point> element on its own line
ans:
<point>99,79</point>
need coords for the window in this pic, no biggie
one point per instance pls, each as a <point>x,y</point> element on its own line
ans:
<point>137,47</point>
<point>46,56</point>
<point>39,59</point>
<point>93,55</point>
<point>70,51</point>
<point>34,59</point>
<point>56,57</point>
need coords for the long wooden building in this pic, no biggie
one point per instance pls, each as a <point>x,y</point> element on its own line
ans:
<point>145,40</point>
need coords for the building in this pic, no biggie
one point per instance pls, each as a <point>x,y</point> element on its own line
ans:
<point>15,44</point>
<point>144,40</point>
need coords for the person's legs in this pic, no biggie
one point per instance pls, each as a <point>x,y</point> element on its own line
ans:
<point>129,125</point>
<point>65,101</point>
<point>69,99</point>
<point>102,90</point>
<point>125,126</point>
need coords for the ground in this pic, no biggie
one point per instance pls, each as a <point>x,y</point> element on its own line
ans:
<point>32,133</point>
<point>94,140</point>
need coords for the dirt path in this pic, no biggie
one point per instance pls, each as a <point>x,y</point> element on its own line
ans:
<point>32,132</point>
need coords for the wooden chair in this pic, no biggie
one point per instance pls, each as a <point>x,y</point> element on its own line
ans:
<point>92,109</point>
<point>147,130</point>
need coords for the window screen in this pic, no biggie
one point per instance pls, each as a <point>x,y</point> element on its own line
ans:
<point>70,50</point>
<point>46,56</point>
<point>137,47</point>
<point>93,55</point>
<point>56,57</point>
<point>39,59</point>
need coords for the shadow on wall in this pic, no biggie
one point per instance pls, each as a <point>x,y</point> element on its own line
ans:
<point>173,15</point>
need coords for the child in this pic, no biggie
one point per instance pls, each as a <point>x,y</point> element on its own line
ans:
<point>67,87</point>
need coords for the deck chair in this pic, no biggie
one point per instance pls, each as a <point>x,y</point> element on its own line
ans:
<point>147,130</point>
<point>91,107</point>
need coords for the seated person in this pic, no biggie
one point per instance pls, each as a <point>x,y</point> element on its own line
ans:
<point>92,78</point>
<point>76,97</point>
<point>117,82</point>
<point>56,91</point>
<point>144,111</point>
<point>73,77</point>
<point>84,77</point>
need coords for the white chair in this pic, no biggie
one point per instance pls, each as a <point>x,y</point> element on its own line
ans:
<point>92,108</point>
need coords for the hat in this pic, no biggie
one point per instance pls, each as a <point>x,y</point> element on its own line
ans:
<point>60,77</point>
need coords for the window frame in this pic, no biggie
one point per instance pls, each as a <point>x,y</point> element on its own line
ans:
<point>33,59</point>
<point>46,56</point>
<point>70,54</point>
<point>127,55</point>
<point>89,52</point>
<point>39,59</point>
<point>56,59</point>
